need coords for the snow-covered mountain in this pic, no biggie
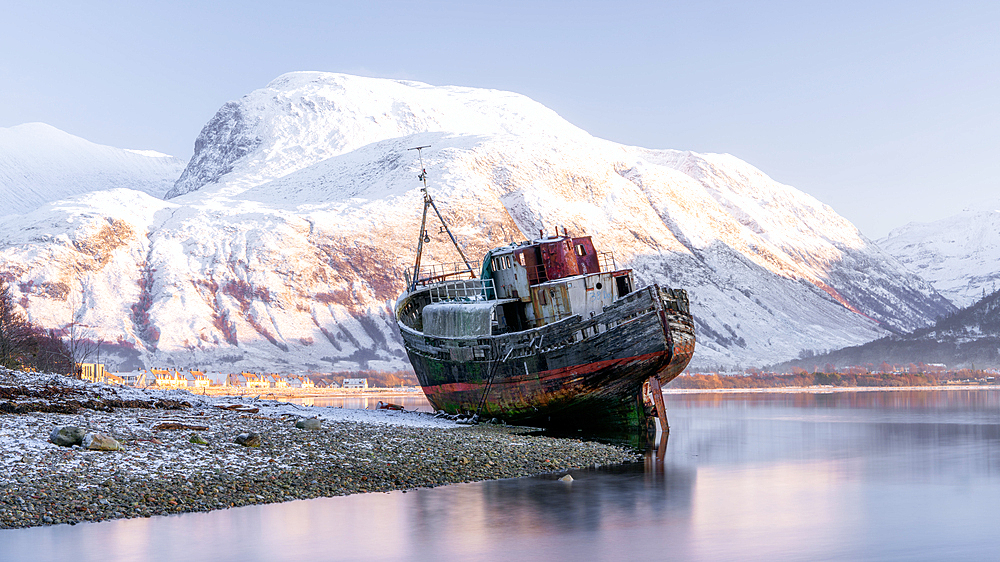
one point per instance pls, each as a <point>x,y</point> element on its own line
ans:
<point>283,243</point>
<point>959,255</point>
<point>969,338</point>
<point>302,118</point>
<point>39,164</point>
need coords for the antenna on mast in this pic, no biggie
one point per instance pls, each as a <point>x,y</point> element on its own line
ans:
<point>424,237</point>
<point>423,171</point>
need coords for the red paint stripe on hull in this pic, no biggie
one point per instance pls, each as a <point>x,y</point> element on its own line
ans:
<point>550,375</point>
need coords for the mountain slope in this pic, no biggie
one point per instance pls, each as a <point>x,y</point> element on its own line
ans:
<point>958,254</point>
<point>967,338</point>
<point>39,163</point>
<point>284,242</point>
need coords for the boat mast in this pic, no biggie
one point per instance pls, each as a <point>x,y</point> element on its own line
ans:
<point>423,221</point>
<point>424,237</point>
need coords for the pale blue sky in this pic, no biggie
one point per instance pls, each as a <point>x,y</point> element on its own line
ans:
<point>889,112</point>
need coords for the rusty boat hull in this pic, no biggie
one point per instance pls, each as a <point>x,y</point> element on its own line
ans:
<point>576,373</point>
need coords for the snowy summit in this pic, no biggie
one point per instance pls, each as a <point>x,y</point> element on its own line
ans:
<point>284,241</point>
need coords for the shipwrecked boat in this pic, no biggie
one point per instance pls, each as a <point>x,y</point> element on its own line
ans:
<point>548,333</point>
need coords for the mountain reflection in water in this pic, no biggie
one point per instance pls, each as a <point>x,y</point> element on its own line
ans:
<point>901,475</point>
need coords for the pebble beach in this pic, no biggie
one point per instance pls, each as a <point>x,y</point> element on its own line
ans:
<point>178,452</point>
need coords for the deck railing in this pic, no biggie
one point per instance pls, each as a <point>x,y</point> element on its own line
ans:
<point>462,290</point>
<point>436,272</point>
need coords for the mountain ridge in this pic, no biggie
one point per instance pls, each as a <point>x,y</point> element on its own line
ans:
<point>40,163</point>
<point>956,254</point>
<point>283,244</point>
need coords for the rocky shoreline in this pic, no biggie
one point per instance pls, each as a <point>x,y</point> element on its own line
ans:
<point>159,470</point>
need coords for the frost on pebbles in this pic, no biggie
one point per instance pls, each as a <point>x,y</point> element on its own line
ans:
<point>158,472</point>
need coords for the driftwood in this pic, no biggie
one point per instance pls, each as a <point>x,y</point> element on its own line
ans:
<point>388,406</point>
<point>175,425</point>
<point>241,408</point>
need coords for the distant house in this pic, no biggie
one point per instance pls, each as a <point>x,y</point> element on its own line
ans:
<point>254,380</point>
<point>138,379</point>
<point>198,379</point>
<point>235,379</point>
<point>176,379</point>
<point>356,383</point>
<point>93,372</point>
<point>295,381</point>
<point>169,379</point>
<point>277,381</point>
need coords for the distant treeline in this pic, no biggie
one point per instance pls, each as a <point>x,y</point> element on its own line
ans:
<point>383,379</point>
<point>803,379</point>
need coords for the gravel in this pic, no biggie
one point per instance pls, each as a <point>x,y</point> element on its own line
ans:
<point>160,472</point>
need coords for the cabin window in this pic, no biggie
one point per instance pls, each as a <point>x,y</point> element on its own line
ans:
<point>507,261</point>
<point>581,250</point>
<point>520,258</point>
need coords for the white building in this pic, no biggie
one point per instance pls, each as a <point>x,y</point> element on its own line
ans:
<point>198,379</point>
<point>169,379</point>
<point>295,381</point>
<point>356,383</point>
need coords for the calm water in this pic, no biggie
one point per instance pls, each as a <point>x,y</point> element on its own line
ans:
<point>846,476</point>
<point>415,401</point>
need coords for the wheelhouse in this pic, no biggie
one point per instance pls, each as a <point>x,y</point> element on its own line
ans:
<point>521,286</point>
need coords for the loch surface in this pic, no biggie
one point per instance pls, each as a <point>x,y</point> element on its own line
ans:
<point>367,401</point>
<point>890,475</point>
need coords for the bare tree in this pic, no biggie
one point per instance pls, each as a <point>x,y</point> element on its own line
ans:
<point>17,337</point>
<point>79,337</point>
<point>51,354</point>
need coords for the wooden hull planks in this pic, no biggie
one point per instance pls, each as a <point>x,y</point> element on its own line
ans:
<point>576,373</point>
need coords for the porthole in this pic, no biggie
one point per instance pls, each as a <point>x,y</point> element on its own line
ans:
<point>599,285</point>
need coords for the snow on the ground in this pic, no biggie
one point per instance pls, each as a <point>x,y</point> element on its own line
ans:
<point>24,438</point>
<point>272,408</point>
